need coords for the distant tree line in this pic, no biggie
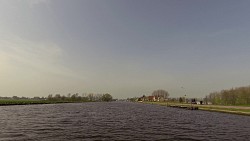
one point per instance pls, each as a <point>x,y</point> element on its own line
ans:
<point>91,97</point>
<point>77,98</point>
<point>23,98</point>
<point>234,96</point>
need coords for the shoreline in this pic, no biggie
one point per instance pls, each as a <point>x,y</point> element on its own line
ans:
<point>238,110</point>
<point>32,102</point>
<point>226,111</point>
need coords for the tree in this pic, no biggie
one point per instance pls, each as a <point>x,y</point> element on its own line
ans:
<point>107,97</point>
<point>57,97</point>
<point>206,100</point>
<point>160,93</point>
<point>91,97</point>
<point>181,100</point>
<point>233,96</point>
<point>50,97</point>
<point>15,97</point>
<point>69,95</point>
<point>75,97</point>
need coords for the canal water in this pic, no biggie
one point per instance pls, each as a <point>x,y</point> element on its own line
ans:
<point>118,121</point>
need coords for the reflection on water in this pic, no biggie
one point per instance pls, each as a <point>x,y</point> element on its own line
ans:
<point>118,121</point>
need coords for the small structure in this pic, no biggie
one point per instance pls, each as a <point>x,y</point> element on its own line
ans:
<point>154,98</point>
<point>151,98</point>
<point>199,102</point>
<point>139,99</point>
<point>184,107</point>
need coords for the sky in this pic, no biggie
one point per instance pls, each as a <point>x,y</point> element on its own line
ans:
<point>127,48</point>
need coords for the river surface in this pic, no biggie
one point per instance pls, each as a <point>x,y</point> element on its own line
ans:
<point>118,121</point>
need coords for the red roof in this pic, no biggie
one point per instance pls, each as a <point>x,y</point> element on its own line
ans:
<point>151,97</point>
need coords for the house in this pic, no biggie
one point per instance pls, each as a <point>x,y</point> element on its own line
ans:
<point>151,98</point>
<point>154,98</point>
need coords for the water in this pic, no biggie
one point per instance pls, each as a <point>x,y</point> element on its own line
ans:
<point>118,121</point>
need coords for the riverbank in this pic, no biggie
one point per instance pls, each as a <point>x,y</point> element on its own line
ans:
<point>240,110</point>
<point>8,102</point>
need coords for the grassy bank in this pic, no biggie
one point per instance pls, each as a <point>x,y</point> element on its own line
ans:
<point>240,110</point>
<point>227,110</point>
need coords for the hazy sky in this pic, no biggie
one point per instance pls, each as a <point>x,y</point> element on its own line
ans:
<point>123,47</point>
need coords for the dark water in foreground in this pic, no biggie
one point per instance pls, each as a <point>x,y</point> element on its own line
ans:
<point>118,121</point>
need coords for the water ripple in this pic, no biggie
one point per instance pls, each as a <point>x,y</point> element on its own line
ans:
<point>118,121</point>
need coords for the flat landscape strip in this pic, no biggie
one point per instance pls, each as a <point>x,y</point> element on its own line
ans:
<point>239,110</point>
<point>226,111</point>
<point>8,102</point>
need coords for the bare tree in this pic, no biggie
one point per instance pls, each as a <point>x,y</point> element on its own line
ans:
<point>160,93</point>
<point>233,96</point>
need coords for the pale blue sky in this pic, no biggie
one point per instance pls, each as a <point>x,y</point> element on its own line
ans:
<point>123,47</point>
